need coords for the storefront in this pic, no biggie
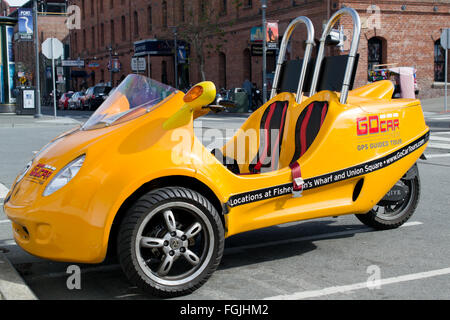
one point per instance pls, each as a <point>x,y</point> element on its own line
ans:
<point>7,65</point>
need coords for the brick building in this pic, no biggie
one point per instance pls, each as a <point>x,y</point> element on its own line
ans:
<point>403,33</point>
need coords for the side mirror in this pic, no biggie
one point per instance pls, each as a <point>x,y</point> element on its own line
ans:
<point>227,103</point>
<point>195,99</point>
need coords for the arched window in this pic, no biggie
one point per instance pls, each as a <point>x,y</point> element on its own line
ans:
<point>439,62</point>
<point>375,52</point>
<point>222,70</point>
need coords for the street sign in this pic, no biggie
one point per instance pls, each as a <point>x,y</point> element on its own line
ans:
<point>272,35</point>
<point>445,39</point>
<point>73,63</point>
<point>155,47</point>
<point>138,64</point>
<point>257,34</point>
<point>25,22</point>
<point>114,65</point>
<point>52,48</point>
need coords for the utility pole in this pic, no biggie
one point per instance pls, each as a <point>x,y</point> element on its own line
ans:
<point>110,66</point>
<point>175,54</point>
<point>36,49</point>
<point>264,49</point>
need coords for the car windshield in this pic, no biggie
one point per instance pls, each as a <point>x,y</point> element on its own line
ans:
<point>98,90</point>
<point>135,96</point>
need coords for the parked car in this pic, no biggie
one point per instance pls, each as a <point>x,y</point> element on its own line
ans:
<point>95,96</point>
<point>63,102</point>
<point>74,101</point>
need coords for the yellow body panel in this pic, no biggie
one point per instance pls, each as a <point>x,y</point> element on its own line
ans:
<point>74,223</point>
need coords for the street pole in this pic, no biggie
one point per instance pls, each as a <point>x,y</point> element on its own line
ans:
<point>110,67</point>
<point>36,50</point>
<point>446,73</point>
<point>446,69</point>
<point>263,7</point>
<point>54,80</point>
<point>175,46</point>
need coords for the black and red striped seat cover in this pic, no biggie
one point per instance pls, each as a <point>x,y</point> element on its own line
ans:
<point>271,136</point>
<point>308,125</point>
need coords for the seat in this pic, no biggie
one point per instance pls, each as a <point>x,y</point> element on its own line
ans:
<point>307,127</point>
<point>286,131</point>
<point>269,136</point>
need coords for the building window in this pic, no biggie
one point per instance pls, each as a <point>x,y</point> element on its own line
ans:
<point>375,52</point>
<point>181,10</point>
<point>101,6</point>
<point>124,29</point>
<point>164,72</point>
<point>247,66</point>
<point>93,37</point>
<point>149,18</point>
<point>222,70</point>
<point>111,4</point>
<point>439,62</point>
<point>92,8</point>
<point>112,32</point>
<point>248,3</point>
<point>164,14</point>
<point>136,24</point>
<point>102,34</point>
<point>202,7</point>
<point>223,7</point>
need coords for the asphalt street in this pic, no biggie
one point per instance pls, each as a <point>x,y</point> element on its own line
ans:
<point>329,258</point>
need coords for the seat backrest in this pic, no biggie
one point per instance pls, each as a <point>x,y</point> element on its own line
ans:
<point>271,137</point>
<point>303,126</point>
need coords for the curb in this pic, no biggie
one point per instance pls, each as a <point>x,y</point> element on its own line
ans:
<point>12,286</point>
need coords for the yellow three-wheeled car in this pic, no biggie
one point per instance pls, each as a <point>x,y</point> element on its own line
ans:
<point>136,175</point>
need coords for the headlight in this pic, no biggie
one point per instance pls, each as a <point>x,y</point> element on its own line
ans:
<point>24,171</point>
<point>64,176</point>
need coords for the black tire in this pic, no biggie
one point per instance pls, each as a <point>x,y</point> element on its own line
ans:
<point>402,212</point>
<point>151,218</point>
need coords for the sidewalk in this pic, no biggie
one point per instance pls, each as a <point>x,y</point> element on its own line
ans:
<point>11,120</point>
<point>435,105</point>
<point>12,286</point>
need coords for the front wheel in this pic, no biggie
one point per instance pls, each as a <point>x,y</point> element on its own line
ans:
<point>397,206</point>
<point>170,242</point>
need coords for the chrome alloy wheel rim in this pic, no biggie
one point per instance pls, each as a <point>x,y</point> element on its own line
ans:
<point>174,243</point>
<point>392,212</point>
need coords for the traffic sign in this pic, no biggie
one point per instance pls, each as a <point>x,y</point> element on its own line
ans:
<point>52,48</point>
<point>138,64</point>
<point>73,63</point>
<point>445,39</point>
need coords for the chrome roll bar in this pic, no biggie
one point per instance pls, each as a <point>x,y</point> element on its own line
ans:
<point>307,56</point>
<point>352,54</point>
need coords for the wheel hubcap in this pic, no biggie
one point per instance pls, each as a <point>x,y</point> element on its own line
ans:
<point>174,243</point>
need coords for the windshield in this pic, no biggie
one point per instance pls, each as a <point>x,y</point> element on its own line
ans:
<point>135,96</point>
<point>98,90</point>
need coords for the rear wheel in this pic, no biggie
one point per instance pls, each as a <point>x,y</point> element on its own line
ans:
<point>170,242</point>
<point>391,213</point>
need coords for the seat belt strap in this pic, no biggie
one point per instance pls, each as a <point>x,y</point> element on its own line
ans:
<point>298,182</point>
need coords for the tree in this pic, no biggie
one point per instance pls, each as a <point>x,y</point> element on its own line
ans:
<point>203,31</point>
